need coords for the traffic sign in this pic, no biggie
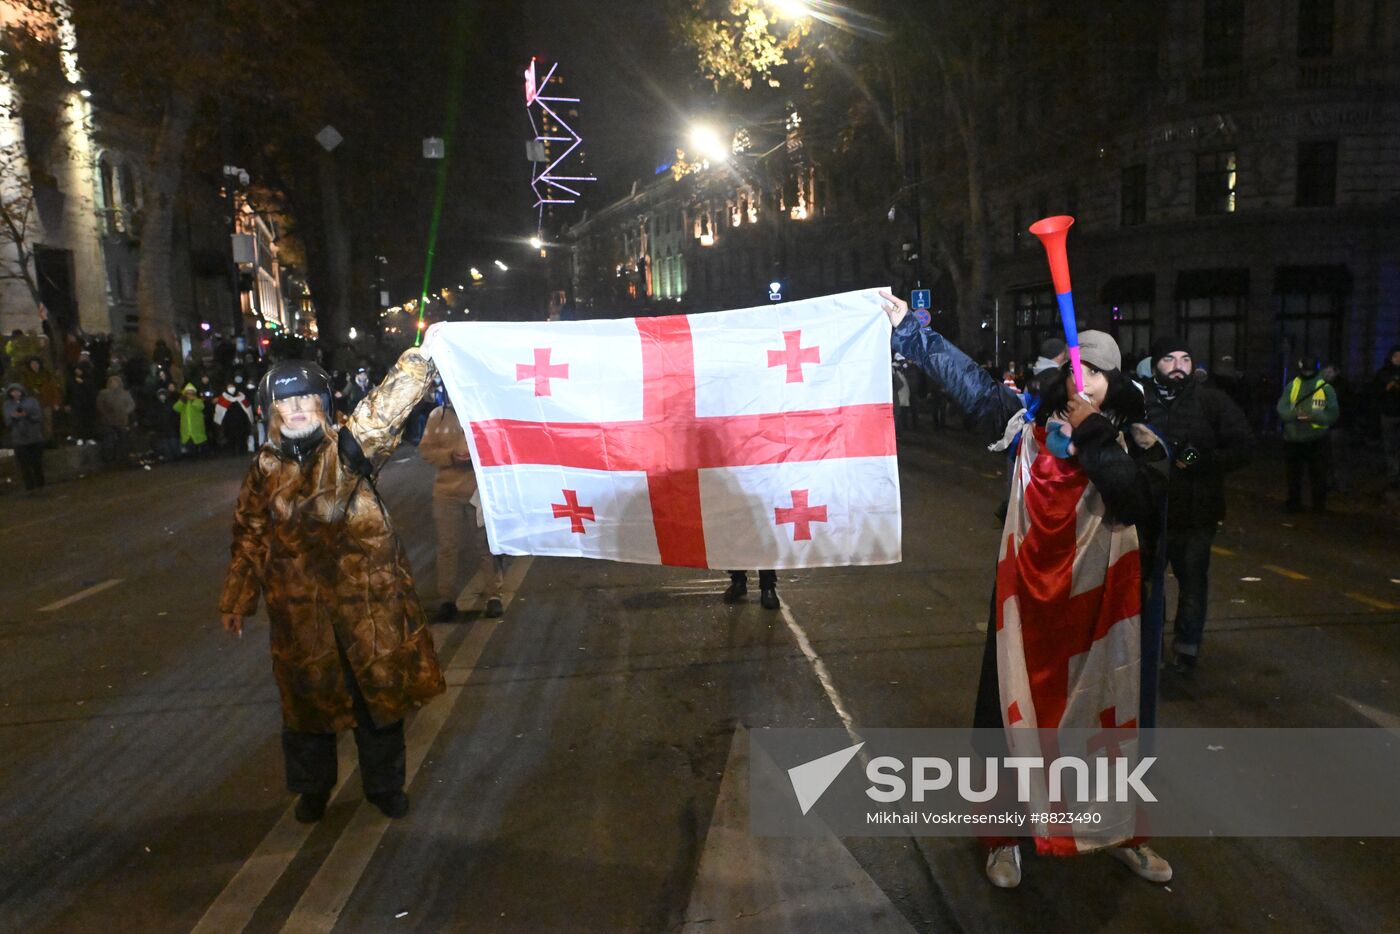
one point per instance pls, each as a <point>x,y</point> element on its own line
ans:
<point>919,298</point>
<point>924,318</point>
<point>775,296</point>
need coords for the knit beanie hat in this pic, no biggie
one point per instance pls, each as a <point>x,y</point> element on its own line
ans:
<point>1168,344</point>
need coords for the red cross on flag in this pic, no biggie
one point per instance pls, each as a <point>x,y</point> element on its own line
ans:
<point>758,438</point>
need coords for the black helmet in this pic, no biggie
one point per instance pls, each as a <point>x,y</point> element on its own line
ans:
<point>294,378</point>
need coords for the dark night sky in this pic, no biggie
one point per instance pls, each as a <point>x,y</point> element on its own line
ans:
<point>617,56</point>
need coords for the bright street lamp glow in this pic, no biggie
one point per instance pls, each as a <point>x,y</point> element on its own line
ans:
<point>707,144</point>
<point>536,242</point>
<point>790,9</point>
<point>475,274</point>
<point>501,266</point>
<point>354,334</point>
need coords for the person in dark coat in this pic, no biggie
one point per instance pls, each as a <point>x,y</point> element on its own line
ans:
<point>1209,437</point>
<point>25,423</point>
<point>1387,399</point>
<point>82,401</point>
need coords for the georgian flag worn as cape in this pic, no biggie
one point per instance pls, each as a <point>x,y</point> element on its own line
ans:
<point>757,438</point>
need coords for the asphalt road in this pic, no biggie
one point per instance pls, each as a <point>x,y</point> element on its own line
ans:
<point>586,770</point>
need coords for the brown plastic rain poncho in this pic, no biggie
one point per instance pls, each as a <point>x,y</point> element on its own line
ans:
<point>329,571</point>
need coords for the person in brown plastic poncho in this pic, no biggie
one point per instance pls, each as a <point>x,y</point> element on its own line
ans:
<point>351,647</point>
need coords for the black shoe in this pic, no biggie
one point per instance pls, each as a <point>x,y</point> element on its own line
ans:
<point>311,807</point>
<point>736,591</point>
<point>393,804</point>
<point>768,598</point>
<point>494,608</point>
<point>446,613</point>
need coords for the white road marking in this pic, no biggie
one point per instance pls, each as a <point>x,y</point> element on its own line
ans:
<point>245,892</point>
<point>752,885</point>
<point>330,889</point>
<point>1377,716</point>
<point>823,675</point>
<point>82,595</point>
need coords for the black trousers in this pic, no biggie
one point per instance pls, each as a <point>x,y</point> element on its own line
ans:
<point>1188,551</point>
<point>31,464</point>
<point>310,757</point>
<point>767,580</point>
<point>1310,456</point>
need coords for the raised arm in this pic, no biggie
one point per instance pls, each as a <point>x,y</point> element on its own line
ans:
<point>376,426</point>
<point>990,404</point>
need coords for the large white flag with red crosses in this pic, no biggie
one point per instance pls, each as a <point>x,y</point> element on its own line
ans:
<point>759,438</point>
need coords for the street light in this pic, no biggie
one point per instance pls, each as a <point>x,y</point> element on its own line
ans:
<point>354,334</point>
<point>536,243</point>
<point>790,9</point>
<point>502,266</point>
<point>707,144</point>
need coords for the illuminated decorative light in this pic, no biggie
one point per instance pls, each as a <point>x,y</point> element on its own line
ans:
<point>475,274</point>
<point>502,266</point>
<point>548,187</point>
<point>353,334</point>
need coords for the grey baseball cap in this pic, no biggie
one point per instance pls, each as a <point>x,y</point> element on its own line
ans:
<point>1100,350</point>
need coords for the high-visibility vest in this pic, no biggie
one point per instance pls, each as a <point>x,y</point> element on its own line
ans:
<point>1319,399</point>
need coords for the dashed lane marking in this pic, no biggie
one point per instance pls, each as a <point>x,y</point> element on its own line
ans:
<point>82,595</point>
<point>330,889</point>
<point>1285,572</point>
<point>1372,601</point>
<point>245,892</point>
<point>1219,550</point>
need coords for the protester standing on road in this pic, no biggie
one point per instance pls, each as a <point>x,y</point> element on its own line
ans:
<point>1209,436</point>
<point>233,416</point>
<point>457,515</point>
<point>351,648</point>
<point>1087,474</point>
<point>114,408</point>
<point>25,423</point>
<point>1387,391</point>
<point>1307,409</point>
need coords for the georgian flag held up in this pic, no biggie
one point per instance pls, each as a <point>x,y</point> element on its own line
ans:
<point>757,438</point>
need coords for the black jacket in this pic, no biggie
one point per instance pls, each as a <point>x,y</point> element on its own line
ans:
<point>1205,420</point>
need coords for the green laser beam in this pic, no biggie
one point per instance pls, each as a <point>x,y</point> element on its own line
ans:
<point>454,94</point>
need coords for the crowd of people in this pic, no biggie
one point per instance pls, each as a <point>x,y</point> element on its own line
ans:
<point>138,410</point>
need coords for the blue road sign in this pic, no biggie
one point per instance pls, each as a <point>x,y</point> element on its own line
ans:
<point>775,296</point>
<point>924,318</point>
<point>919,298</point>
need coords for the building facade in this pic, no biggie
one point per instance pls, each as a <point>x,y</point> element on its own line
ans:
<point>1252,207</point>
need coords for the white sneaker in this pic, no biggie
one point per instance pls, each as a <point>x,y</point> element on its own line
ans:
<point>1143,861</point>
<point>1004,866</point>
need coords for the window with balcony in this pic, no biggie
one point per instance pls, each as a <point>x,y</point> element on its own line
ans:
<point>1317,173</point>
<point>1216,177</point>
<point>1222,33</point>
<point>1133,196</point>
<point>1314,28</point>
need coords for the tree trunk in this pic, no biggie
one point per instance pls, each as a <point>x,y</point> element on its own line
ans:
<point>155,297</point>
<point>336,306</point>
